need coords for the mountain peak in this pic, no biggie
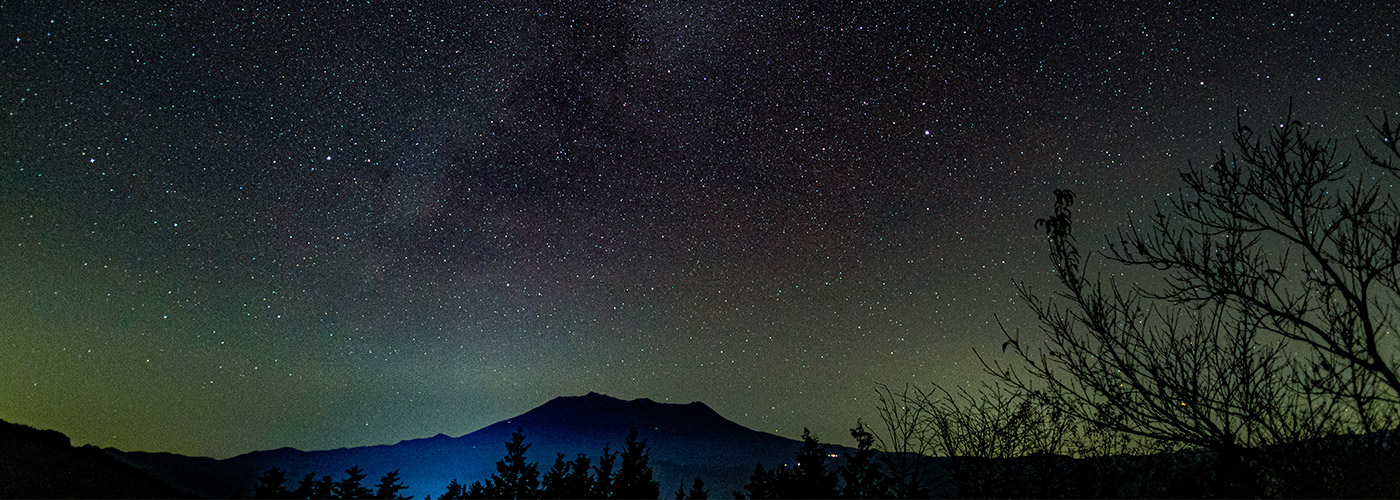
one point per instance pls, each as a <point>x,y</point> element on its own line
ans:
<point>600,411</point>
<point>592,395</point>
<point>597,398</point>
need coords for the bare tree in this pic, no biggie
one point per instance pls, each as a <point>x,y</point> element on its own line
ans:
<point>996,441</point>
<point>906,442</point>
<point>1275,318</point>
<point>979,430</point>
<point>1307,240</point>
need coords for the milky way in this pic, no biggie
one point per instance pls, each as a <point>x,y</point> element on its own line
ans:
<point>233,228</point>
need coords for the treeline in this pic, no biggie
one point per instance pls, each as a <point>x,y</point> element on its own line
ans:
<point>273,484</point>
<point>860,476</point>
<point>622,474</point>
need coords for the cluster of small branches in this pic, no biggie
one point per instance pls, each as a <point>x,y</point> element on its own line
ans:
<point>1267,321</point>
<point>1303,238</point>
<point>1275,317</point>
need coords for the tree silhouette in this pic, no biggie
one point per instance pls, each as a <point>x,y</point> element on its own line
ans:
<point>551,485</point>
<point>994,423</point>
<point>478,490</point>
<point>634,476</point>
<point>602,484</point>
<point>567,479</point>
<point>390,486</point>
<point>310,487</point>
<point>1279,248</point>
<point>810,477</point>
<point>762,484</point>
<point>515,477</point>
<point>454,491</point>
<point>906,441</point>
<point>698,491</point>
<point>272,484</point>
<point>305,486</point>
<point>325,488</point>
<point>352,486</point>
<point>576,483</point>
<point>861,476</point>
<point>1305,239</point>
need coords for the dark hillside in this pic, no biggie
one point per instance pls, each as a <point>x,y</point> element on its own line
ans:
<point>44,464</point>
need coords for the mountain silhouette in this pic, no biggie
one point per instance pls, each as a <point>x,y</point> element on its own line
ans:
<point>685,441</point>
<point>44,464</point>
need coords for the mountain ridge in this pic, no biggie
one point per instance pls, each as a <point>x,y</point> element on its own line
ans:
<point>685,440</point>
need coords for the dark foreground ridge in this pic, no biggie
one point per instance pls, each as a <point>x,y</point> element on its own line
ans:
<point>44,464</point>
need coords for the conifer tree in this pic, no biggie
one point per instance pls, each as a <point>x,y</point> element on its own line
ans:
<point>454,491</point>
<point>352,486</point>
<point>478,490</point>
<point>762,484</point>
<point>323,488</point>
<point>389,487</point>
<point>602,484</point>
<point>861,476</point>
<point>634,476</point>
<point>552,484</point>
<point>271,485</point>
<point>305,486</point>
<point>310,487</point>
<point>810,478</point>
<point>515,477</point>
<point>698,491</point>
<point>576,483</point>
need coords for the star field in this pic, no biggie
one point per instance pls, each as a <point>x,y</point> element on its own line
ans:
<point>320,224</point>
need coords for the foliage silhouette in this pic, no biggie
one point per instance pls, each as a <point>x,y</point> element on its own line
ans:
<point>634,476</point>
<point>810,477</point>
<point>455,491</point>
<point>389,487</point>
<point>697,491</point>
<point>352,486</point>
<point>762,484</point>
<point>602,484</point>
<point>272,484</point>
<point>551,485</point>
<point>807,478</point>
<point>515,476</point>
<point>310,487</point>
<point>567,479</point>
<point>861,476</point>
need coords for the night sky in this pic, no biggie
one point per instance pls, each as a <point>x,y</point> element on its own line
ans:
<point>225,228</point>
